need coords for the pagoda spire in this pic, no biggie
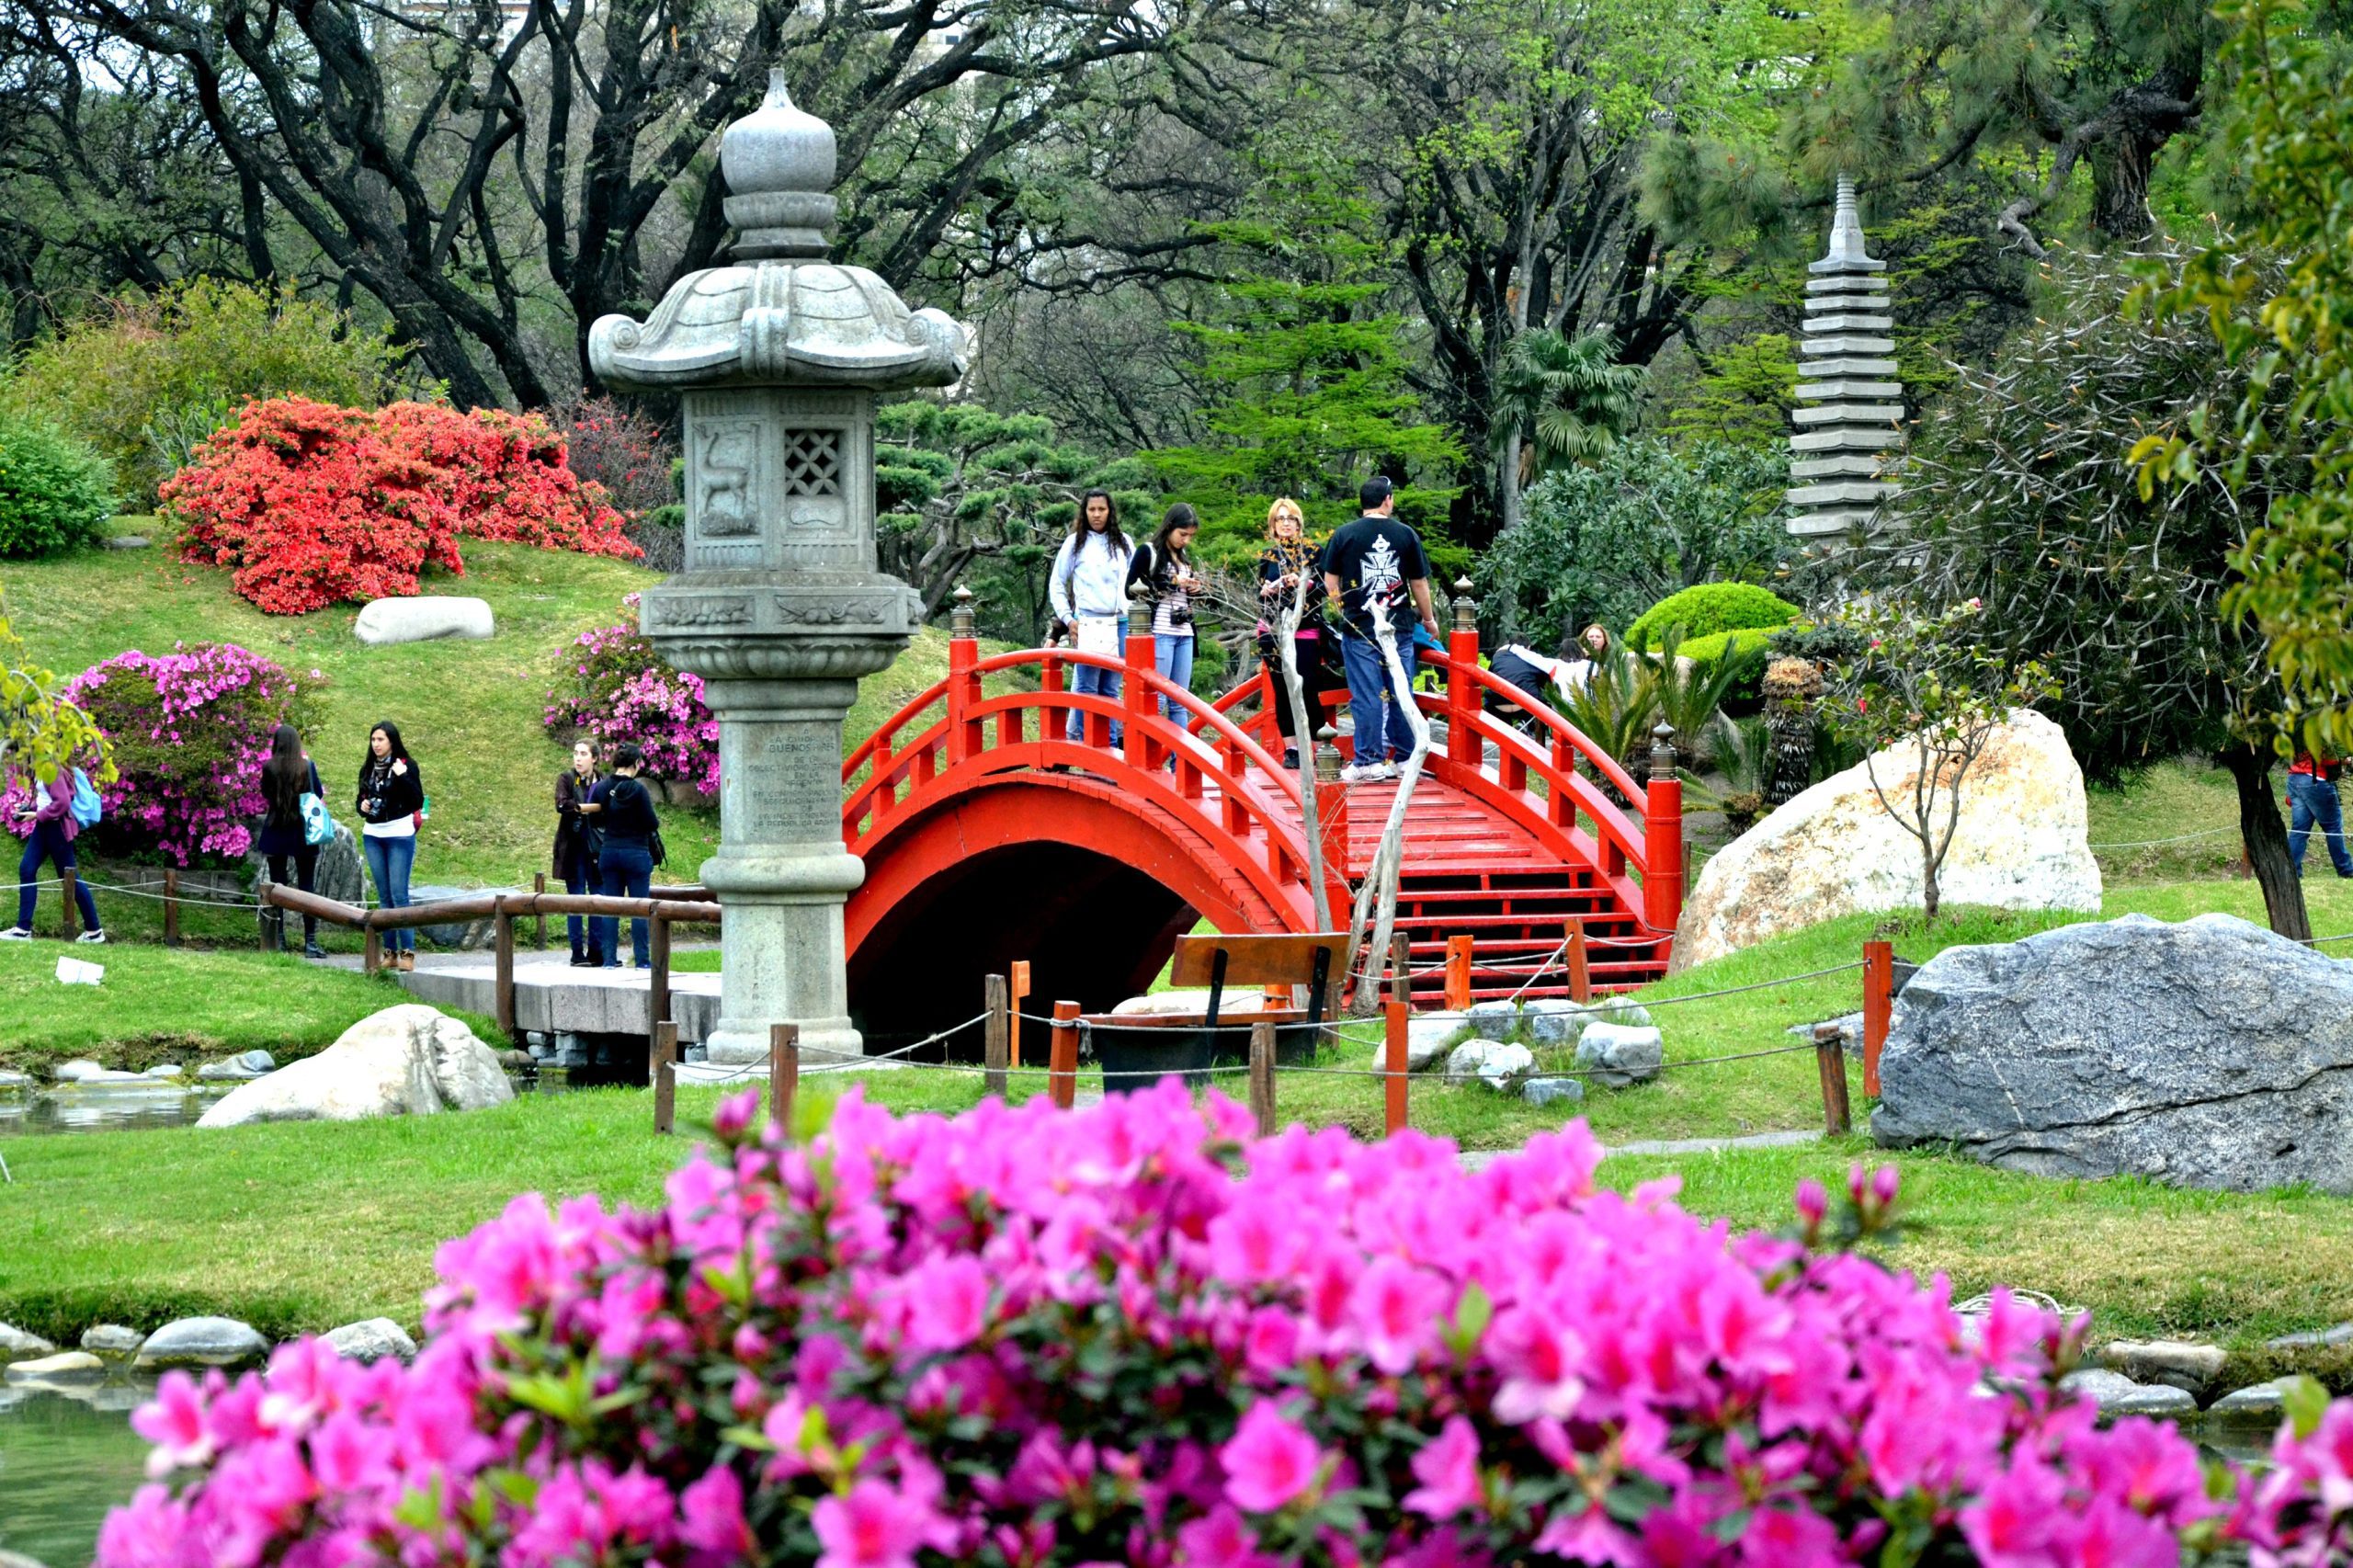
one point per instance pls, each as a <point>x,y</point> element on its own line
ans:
<point>1849,426</point>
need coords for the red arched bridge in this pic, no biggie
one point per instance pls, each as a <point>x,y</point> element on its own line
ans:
<point>988,837</point>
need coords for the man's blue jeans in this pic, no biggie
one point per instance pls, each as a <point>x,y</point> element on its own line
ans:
<point>389,861</point>
<point>2314,803</point>
<point>1373,702</point>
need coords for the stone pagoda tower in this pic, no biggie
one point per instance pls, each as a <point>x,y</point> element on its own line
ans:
<point>778,356</point>
<point>1850,430</point>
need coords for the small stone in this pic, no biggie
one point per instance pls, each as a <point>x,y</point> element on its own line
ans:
<point>112,1339</point>
<point>2316,1339</point>
<point>372,1340</point>
<point>1493,1021</point>
<point>128,542</point>
<point>13,1080</point>
<point>2178,1363</point>
<point>258,1060</point>
<point>16,1345</point>
<point>201,1342</point>
<point>1626,1015</point>
<point>75,1071</point>
<point>217,1072</point>
<point>1552,1091</point>
<point>162,1070</point>
<point>1556,1021</point>
<point>1491,1062</point>
<point>2117,1395</point>
<point>1850,1027</point>
<point>1620,1055</point>
<point>2263,1402</point>
<point>66,1365</point>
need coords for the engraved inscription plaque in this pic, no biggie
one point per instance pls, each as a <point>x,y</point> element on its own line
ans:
<point>797,798</point>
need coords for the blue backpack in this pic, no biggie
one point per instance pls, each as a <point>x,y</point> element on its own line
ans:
<point>86,806</point>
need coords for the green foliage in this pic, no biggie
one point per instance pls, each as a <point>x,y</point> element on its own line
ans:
<point>55,493</point>
<point>146,379</point>
<point>1631,691</point>
<point>1708,608</point>
<point>1744,397</point>
<point>1605,543</point>
<point>1566,399</point>
<point>42,731</point>
<point>2288,326</point>
<point>1744,643</point>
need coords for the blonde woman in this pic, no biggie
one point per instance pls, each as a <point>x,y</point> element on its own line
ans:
<point>1286,562</point>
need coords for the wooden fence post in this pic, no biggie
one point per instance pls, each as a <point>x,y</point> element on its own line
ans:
<point>1830,1057</point>
<point>372,958</point>
<point>72,911</point>
<point>784,1072</point>
<point>1879,1003</point>
<point>1394,1059</point>
<point>1017,982</point>
<point>996,1033</point>
<point>1061,1064</point>
<point>1262,1076</point>
<point>502,929</point>
<point>658,952</point>
<point>538,890</point>
<point>666,1077</point>
<point>171,906</point>
<point>1458,973</point>
<point>1580,966</point>
<point>1401,969</point>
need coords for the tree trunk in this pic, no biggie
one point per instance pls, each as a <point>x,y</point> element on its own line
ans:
<point>2266,837</point>
<point>2120,167</point>
<point>1507,484</point>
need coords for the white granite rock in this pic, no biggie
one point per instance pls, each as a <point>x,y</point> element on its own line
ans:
<point>66,1365</point>
<point>1493,1020</point>
<point>201,1342</point>
<point>75,1071</point>
<point>16,1345</point>
<point>1833,850</point>
<point>2179,1363</point>
<point>162,1070</point>
<point>406,1061</point>
<point>1491,1062</point>
<point>2263,1403</point>
<point>422,617</point>
<point>1555,1020</point>
<point>372,1340</point>
<point>2117,1395</point>
<point>1620,1055</point>
<point>112,1339</point>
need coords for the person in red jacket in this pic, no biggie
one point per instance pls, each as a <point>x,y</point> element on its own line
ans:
<point>2311,803</point>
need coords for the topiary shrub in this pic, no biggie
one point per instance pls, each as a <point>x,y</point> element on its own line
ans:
<point>1710,608</point>
<point>610,687</point>
<point>55,493</point>
<point>1124,1334</point>
<point>187,733</point>
<point>309,504</point>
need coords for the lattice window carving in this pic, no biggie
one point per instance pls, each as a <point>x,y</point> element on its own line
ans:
<point>812,463</point>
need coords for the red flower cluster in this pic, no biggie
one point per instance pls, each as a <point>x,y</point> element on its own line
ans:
<point>311,505</point>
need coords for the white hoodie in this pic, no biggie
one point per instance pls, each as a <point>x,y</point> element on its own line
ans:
<point>1098,586</point>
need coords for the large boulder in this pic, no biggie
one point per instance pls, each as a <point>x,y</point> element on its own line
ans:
<point>1834,850</point>
<point>422,617</point>
<point>405,1060</point>
<point>2212,1054</point>
<point>201,1342</point>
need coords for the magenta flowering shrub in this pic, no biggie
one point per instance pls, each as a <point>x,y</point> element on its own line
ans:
<point>188,731</point>
<point>1125,1336</point>
<point>610,687</point>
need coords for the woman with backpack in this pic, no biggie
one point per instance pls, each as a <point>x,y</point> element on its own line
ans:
<point>64,803</point>
<point>1089,589</point>
<point>623,809</point>
<point>578,845</point>
<point>294,802</point>
<point>1165,566</point>
<point>390,802</point>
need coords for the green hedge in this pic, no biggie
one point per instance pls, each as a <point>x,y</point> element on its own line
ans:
<point>55,493</point>
<point>1708,650</point>
<point>1708,608</point>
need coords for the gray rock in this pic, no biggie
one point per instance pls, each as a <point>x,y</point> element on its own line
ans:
<point>1626,1015</point>
<point>341,873</point>
<point>1491,1062</point>
<point>201,1342</point>
<point>2117,1395</point>
<point>75,1071</point>
<point>257,1062</point>
<point>66,1365</point>
<point>2210,1054</point>
<point>1555,1020</point>
<point>404,1061</point>
<point>11,1079</point>
<point>1493,1021</point>
<point>1849,1027</point>
<point>2181,1364</point>
<point>421,618</point>
<point>127,542</point>
<point>1552,1091</point>
<point>1620,1055</point>
<point>16,1345</point>
<point>162,1070</point>
<point>112,1339</point>
<point>1428,1037</point>
<point>2264,1403</point>
<point>219,1072</point>
<point>2316,1339</point>
<point>373,1341</point>
<point>468,933</point>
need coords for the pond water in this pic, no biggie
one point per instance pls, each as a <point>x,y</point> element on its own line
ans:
<point>94,1107</point>
<point>66,1456</point>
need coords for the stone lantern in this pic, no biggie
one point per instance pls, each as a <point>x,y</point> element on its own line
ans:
<point>778,356</point>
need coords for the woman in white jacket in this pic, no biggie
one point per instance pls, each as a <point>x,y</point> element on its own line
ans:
<point>1089,590</point>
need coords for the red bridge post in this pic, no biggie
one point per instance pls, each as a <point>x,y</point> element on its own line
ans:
<point>963,687</point>
<point>1462,742</point>
<point>1662,837</point>
<point>1137,696</point>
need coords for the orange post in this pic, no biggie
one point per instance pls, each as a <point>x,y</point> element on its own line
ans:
<point>1018,979</point>
<point>1662,837</point>
<point>1580,968</point>
<point>1879,1003</point>
<point>1458,975</point>
<point>1393,1063</point>
<point>1061,1066</point>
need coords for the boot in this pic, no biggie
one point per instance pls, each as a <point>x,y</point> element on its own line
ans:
<point>407,961</point>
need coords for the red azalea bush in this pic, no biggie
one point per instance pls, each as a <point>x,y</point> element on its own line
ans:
<point>1126,1335</point>
<point>310,504</point>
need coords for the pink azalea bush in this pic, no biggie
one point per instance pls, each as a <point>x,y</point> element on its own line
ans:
<point>1127,1335</point>
<point>610,687</point>
<point>188,731</point>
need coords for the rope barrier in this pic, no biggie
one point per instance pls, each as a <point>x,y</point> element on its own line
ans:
<point>2153,843</point>
<point>843,1060</point>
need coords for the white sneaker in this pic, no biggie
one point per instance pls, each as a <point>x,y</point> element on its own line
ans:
<point>93,936</point>
<point>1351,773</point>
<point>1384,770</point>
<point>16,934</point>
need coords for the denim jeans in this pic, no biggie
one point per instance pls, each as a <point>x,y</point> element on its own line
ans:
<point>389,861</point>
<point>2313,805</point>
<point>581,876</point>
<point>1374,702</point>
<point>49,842</point>
<point>627,868</point>
<point>1094,678</point>
<point>1172,655</point>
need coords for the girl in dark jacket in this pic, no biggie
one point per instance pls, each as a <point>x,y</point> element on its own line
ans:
<point>624,813</point>
<point>286,777</point>
<point>391,799</point>
<point>577,845</point>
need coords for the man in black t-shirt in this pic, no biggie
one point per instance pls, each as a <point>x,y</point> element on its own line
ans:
<point>1370,566</point>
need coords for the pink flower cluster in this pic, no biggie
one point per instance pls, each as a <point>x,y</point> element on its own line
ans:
<point>611,687</point>
<point>190,732</point>
<point>1127,1335</point>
